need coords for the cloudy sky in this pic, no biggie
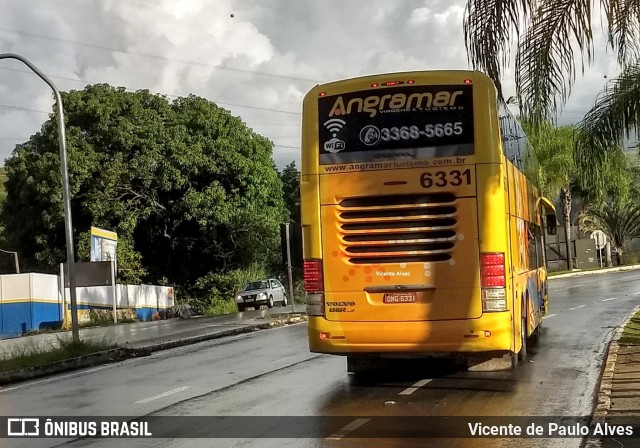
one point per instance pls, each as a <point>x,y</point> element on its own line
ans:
<point>254,58</point>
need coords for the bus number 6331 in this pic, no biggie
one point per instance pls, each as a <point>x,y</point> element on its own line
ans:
<point>454,178</point>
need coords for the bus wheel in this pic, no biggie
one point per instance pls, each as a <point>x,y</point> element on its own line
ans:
<point>522,354</point>
<point>356,364</point>
<point>514,360</point>
<point>535,336</point>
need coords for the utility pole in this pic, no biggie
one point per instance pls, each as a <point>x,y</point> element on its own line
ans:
<point>289,267</point>
<point>65,190</point>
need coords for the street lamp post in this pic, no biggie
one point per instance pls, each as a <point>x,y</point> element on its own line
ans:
<point>65,192</point>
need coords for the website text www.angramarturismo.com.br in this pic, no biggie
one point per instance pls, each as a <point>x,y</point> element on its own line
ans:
<point>397,164</point>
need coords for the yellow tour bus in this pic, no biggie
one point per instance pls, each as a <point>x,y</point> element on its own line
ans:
<point>422,225</point>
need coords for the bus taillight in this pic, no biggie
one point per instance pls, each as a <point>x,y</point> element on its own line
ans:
<point>313,276</point>
<point>314,287</point>
<point>493,282</point>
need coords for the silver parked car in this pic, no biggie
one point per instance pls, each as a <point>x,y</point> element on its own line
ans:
<point>263,292</point>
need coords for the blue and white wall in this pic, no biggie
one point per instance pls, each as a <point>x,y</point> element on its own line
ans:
<point>144,299</point>
<point>34,301</point>
<point>27,301</point>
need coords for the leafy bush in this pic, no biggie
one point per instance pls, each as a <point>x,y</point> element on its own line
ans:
<point>214,290</point>
<point>226,285</point>
<point>221,306</point>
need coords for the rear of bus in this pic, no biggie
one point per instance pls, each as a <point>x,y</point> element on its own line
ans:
<point>404,217</point>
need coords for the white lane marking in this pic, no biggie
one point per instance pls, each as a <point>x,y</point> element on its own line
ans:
<point>611,298</point>
<point>348,428</point>
<point>575,286</point>
<point>629,276</point>
<point>576,307</point>
<point>162,395</point>
<point>636,293</point>
<point>415,387</point>
<point>548,316</point>
<point>50,380</point>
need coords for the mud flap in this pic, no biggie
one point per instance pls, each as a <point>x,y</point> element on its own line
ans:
<point>477,363</point>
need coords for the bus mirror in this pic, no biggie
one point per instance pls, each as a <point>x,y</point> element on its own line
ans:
<point>551,224</point>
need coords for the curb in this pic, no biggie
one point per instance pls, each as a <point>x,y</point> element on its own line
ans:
<point>594,272</point>
<point>92,359</point>
<point>148,349</point>
<point>126,352</point>
<point>606,380</point>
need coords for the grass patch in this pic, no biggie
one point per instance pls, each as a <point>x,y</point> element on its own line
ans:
<point>631,331</point>
<point>34,356</point>
<point>221,306</point>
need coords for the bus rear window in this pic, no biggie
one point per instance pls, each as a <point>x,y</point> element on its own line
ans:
<point>399,123</point>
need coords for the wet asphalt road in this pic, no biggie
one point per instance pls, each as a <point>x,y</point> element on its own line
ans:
<point>271,373</point>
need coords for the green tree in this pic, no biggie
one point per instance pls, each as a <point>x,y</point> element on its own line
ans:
<point>557,35</point>
<point>3,191</point>
<point>290,178</point>
<point>561,177</point>
<point>554,148</point>
<point>603,129</point>
<point>618,219</point>
<point>189,188</point>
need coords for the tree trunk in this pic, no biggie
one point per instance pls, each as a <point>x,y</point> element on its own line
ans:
<point>619,256</point>
<point>565,197</point>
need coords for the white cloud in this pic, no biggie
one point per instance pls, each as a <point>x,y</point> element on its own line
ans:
<point>181,48</point>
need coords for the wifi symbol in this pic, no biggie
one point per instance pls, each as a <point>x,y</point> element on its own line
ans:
<point>334,125</point>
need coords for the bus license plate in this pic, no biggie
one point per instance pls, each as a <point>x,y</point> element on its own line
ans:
<point>399,297</point>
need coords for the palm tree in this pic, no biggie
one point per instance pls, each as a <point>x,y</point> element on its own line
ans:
<point>560,176</point>
<point>552,36</point>
<point>618,219</point>
<point>554,149</point>
<point>615,113</point>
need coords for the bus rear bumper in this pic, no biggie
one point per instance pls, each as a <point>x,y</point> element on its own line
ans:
<point>490,334</point>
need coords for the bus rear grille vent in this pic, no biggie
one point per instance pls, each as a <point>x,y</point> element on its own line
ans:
<point>398,229</point>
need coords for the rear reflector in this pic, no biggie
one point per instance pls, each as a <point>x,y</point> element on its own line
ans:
<point>313,276</point>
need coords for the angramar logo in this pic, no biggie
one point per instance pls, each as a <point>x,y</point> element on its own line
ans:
<point>374,103</point>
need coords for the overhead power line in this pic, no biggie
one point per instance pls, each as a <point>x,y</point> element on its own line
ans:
<point>161,58</point>
<point>159,93</point>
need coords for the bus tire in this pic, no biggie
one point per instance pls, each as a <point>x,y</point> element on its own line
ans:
<point>354,365</point>
<point>514,360</point>
<point>522,354</point>
<point>535,336</point>
<point>357,365</point>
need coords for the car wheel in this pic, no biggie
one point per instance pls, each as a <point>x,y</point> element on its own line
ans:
<point>256,307</point>
<point>241,308</point>
<point>270,302</point>
<point>284,300</point>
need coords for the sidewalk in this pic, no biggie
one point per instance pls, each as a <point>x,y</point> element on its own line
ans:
<point>147,334</point>
<point>144,338</point>
<point>618,399</point>
<point>579,273</point>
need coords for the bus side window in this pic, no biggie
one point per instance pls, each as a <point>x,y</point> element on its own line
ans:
<point>551,224</point>
<point>531,243</point>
